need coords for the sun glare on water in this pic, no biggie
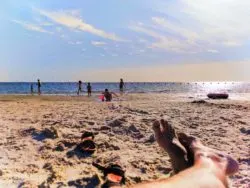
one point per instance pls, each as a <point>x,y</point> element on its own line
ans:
<point>221,87</point>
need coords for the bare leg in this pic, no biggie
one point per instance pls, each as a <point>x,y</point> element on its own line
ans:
<point>210,168</point>
<point>168,140</point>
<point>204,154</point>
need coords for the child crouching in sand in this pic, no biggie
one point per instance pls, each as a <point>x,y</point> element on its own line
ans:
<point>107,96</point>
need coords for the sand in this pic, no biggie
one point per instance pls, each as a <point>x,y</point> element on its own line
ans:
<point>39,134</point>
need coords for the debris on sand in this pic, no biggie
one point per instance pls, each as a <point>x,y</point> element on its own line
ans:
<point>199,101</point>
<point>245,131</point>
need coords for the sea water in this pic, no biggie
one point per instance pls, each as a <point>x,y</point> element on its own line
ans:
<point>70,88</point>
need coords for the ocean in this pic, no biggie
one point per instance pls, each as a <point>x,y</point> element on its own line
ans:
<point>70,88</point>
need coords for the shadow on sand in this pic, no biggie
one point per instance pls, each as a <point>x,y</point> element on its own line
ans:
<point>47,133</point>
<point>92,182</point>
<point>78,153</point>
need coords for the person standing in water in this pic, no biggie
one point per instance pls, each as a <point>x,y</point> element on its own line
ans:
<point>31,89</point>
<point>79,87</point>
<point>89,89</point>
<point>38,87</point>
<point>121,85</point>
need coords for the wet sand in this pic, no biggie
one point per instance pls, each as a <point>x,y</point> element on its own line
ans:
<point>39,134</point>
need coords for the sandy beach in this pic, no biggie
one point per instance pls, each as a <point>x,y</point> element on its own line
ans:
<point>30,157</point>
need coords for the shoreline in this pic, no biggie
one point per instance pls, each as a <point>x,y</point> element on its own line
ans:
<point>178,96</point>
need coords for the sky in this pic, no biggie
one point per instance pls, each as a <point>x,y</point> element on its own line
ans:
<point>138,40</point>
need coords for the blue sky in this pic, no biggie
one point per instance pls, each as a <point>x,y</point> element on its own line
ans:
<point>140,40</point>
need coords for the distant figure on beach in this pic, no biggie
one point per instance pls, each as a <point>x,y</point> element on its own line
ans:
<point>31,89</point>
<point>79,87</point>
<point>107,96</point>
<point>89,89</point>
<point>121,85</point>
<point>38,87</point>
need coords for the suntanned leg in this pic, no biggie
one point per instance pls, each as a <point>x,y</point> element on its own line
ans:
<point>194,147</point>
<point>210,169</point>
<point>167,139</point>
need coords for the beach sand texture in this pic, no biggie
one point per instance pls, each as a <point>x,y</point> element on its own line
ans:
<point>39,134</point>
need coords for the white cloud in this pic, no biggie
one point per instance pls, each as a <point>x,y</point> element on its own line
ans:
<point>75,42</point>
<point>213,51</point>
<point>220,21</point>
<point>175,29</point>
<point>98,43</point>
<point>78,42</point>
<point>165,42</point>
<point>72,20</point>
<point>32,27</point>
<point>197,25</point>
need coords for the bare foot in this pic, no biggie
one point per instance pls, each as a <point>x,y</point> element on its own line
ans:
<point>167,139</point>
<point>206,156</point>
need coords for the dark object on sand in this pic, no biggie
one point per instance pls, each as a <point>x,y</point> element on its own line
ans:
<point>199,101</point>
<point>87,147</point>
<point>88,135</point>
<point>60,147</point>
<point>218,95</point>
<point>114,174</point>
<point>50,133</point>
<point>245,131</point>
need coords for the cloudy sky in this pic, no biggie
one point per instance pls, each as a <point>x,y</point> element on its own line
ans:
<point>139,40</point>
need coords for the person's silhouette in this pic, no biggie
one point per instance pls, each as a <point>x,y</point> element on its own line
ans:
<point>89,89</point>
<point>121,85</point>
<point>39,87</point>
<point>79,87</point>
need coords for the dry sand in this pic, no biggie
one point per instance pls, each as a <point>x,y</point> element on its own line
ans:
<point>29,157</point>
